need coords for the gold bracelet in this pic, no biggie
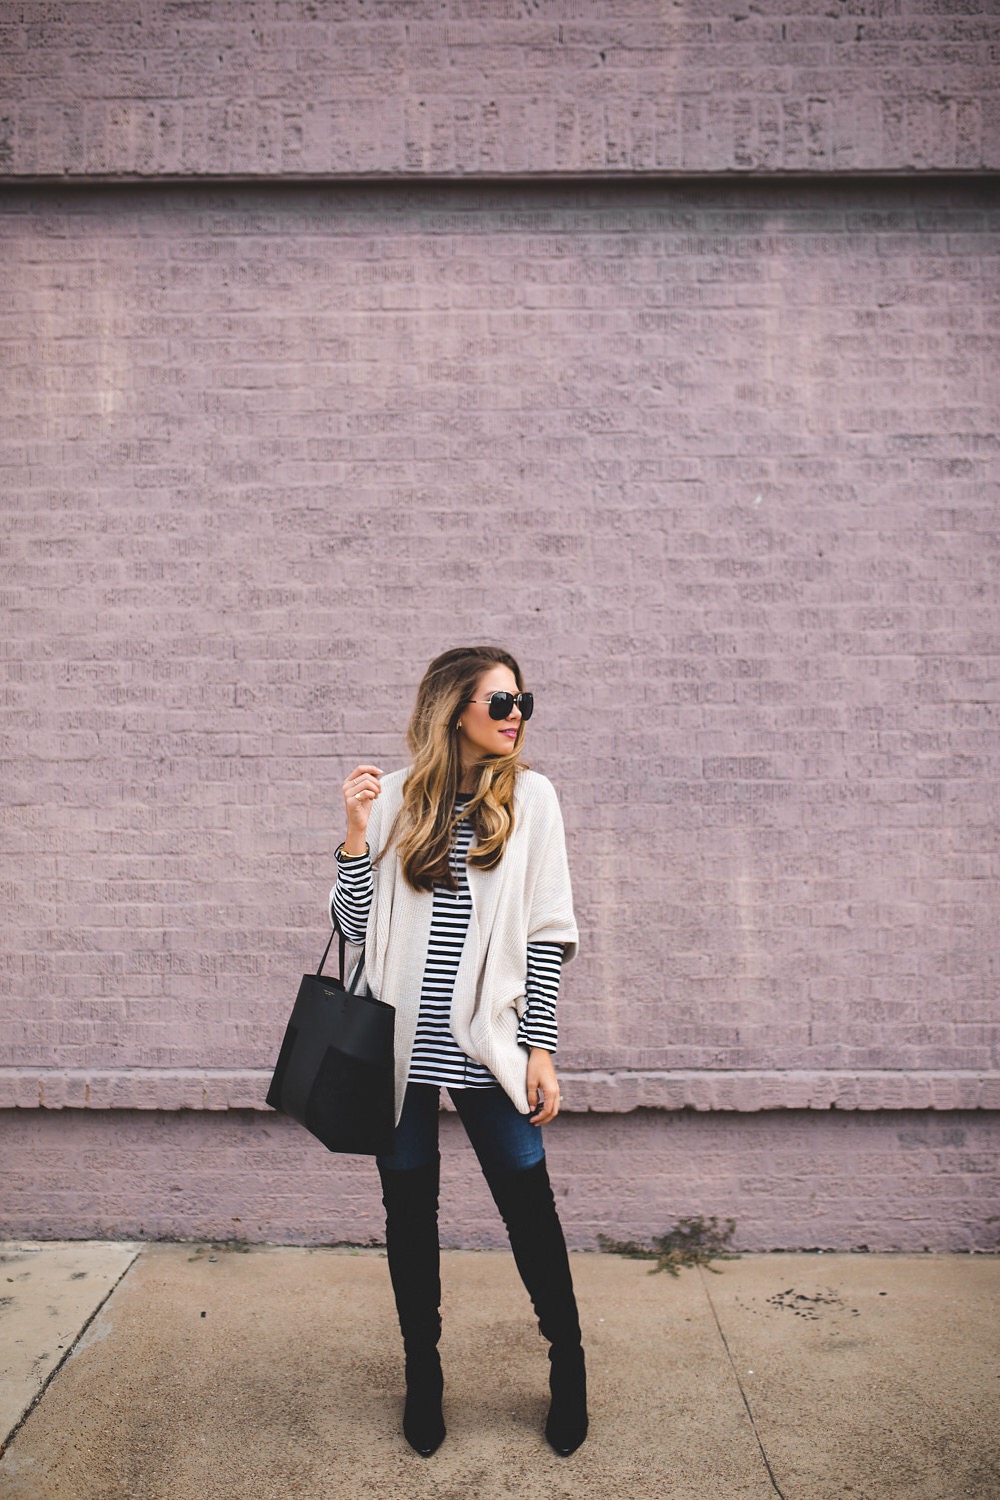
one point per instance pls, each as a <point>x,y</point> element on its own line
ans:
<point>342,853</point>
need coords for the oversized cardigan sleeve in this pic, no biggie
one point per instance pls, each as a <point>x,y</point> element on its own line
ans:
<point>550,892</point>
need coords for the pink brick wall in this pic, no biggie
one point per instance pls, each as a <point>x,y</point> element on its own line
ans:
<point>824,1180</point>
<point>280,88</point>
<point>716,461</point>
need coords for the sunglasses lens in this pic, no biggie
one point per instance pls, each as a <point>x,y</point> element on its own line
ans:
<point>501,705</point>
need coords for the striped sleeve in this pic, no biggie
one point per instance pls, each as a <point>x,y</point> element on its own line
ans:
<point>538,1027</point>
<point>352,897</point>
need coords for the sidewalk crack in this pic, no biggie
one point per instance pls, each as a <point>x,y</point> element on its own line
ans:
<point>736,1375</point>
<point>5,1442</point>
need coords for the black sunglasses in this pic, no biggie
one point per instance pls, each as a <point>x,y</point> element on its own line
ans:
<point>502,703</point>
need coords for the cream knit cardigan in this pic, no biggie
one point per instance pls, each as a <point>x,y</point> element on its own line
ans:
<point>526,898</point>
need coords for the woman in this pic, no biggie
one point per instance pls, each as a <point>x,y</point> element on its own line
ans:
<point>454,874</point>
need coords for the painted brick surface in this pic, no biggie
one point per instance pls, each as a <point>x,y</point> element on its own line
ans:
<point>719,468</point>
<point>718,462</point>
<point>827,1180</point>
<point>280,88</point>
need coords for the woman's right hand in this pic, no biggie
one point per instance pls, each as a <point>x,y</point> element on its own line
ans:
<point>360,790</point>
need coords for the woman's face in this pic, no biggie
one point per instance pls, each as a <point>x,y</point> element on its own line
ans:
<point>478,734</point>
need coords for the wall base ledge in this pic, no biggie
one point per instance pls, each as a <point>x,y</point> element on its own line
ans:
<point>814,172</point>
<point>607,1092</point>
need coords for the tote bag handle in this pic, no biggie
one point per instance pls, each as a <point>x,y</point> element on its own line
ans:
<point>342,948</point>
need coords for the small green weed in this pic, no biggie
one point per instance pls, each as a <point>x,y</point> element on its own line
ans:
<point>221,1247</point>
<point>692,1242</point>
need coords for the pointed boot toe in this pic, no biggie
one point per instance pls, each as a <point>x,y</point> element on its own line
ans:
<point>567,1423</point>
<point>423,1425</point>
<point>423,1419</point>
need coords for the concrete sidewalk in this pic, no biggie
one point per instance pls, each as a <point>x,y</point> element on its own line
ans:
<point>179,1372</point>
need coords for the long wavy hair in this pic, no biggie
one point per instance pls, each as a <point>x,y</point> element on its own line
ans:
<point>425,826</point>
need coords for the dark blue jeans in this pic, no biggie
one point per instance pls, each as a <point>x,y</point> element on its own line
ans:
<point>501,1136</point>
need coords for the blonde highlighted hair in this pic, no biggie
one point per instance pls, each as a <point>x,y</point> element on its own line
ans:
<point>425,827</point>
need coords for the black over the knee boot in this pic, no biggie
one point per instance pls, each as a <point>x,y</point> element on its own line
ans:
<point>411,1241</point>
<point>528,1209</point>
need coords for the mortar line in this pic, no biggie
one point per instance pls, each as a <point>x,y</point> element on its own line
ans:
<point>736,1375</point>
<point>12,1434</point>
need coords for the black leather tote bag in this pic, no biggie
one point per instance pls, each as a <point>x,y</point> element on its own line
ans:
<point>335,1071</point>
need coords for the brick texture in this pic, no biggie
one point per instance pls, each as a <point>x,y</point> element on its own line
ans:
<point>460,88</point>
<point>719,469</point>
<point>717,461</point>
<point>891,1181</point>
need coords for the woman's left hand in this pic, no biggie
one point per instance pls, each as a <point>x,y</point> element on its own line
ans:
<point>543,1087</point>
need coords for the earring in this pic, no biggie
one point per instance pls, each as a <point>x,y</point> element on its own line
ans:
<point>459,724</point>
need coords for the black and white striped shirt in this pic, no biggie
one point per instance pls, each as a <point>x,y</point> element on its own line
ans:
<point>437,1057</point>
